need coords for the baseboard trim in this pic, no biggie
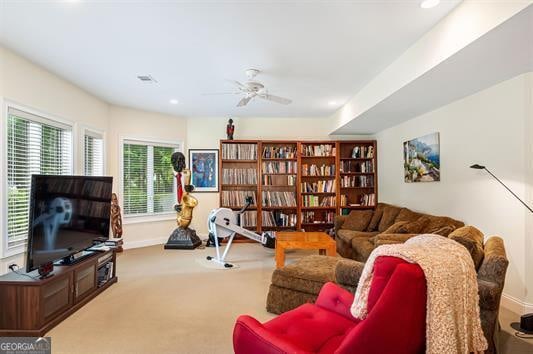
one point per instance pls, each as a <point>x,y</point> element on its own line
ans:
<point>516,305</point>
<point>144,243</point>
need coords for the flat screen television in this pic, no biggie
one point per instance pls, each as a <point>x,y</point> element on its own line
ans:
<point>67,213</point>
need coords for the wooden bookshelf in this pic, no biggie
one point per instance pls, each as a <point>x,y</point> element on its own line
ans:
<point>284,167</point>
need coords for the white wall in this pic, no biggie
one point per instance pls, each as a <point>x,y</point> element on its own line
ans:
<point>27,84</point>
<point>485,128</point>
<point>125,123</point>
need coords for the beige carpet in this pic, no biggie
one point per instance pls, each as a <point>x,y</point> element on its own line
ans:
<point>166,302</point>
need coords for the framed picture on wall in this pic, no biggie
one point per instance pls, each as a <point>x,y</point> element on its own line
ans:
<point>422,159</point>
<point>204,169</point>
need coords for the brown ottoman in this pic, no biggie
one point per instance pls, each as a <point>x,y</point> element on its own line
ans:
<point>298,283</point>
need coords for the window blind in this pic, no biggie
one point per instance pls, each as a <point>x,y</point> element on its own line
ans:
<point>93,154</point>
<point>149,185</point>
<point>35,145</point>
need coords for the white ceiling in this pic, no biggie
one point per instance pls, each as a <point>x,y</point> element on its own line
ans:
<point>502,53</point>
<point>310,51</point>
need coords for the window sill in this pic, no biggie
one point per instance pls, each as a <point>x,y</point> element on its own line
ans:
<point>138,219</point>
<point>14,251</point>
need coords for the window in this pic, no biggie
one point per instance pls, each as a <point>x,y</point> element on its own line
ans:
<point>149,185</point>
<point>35,145</point>
<point>93,156</point>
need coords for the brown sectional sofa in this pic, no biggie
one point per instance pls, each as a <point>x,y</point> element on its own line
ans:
<point>300,282</point>
<point>358,233</point>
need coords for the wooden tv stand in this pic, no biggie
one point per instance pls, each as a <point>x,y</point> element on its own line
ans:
<point>31,307</point>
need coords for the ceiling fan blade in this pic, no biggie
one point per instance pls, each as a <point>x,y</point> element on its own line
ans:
<point>244,101</point>
<point>221,93</point>
<point>276,99</point>
<point>238,85</point>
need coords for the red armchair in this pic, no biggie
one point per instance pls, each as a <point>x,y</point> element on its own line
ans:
<point>395,323</point>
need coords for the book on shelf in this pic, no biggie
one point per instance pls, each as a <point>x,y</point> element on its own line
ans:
<point>249,219</point>
<point>278,218</point>
<point>316,201</point>
<point>237,198</point>
<point>357,166</point>
<point>314,170</point>
<point>363,200</point>
<point>318,150</point>
<point>357,181</point>
<point>269,180</point>
<point>278,199</point>
<point>279,167</point>
<point>326,186</point>
<point>243,151</point>
<point>363,152</point>
<point>311,217</point>
<point>239,176</point>
<point>279,152</point>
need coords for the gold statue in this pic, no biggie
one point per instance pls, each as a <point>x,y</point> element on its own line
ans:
<point>183,237</point>
<point>188,202</point>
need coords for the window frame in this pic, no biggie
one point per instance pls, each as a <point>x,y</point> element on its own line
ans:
<point>146,217</point>
<point>7,251</point>
<point>97,133</point>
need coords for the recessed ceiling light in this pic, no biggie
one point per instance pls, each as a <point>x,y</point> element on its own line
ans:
<point>428,4</point>
<point>332,103</point>
<point>174,101</point>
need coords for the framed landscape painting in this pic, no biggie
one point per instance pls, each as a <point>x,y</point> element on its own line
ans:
<point>422,159</point>
<point>204,169</point>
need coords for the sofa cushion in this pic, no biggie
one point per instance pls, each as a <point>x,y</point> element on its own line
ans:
<point>376,217</point>
<point>388,239</point>
<point>445,230</point>
<point>408,227</point>
<point>396,227</point>
<point>362,247</point>
<point>348,235</point>
<point>358,220</point>
<point>390,212</point>
<point>407,215</point>
<point>438,222</point>
<point>472,239</point>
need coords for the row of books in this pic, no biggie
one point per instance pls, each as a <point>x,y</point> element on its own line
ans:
<point>279,152</point>
<point>269,180</point>
<point>237,198</point>
<point>326,186</point>
<point>278,199</point>
<point>239,176</point>
<point>239,151</point>
<point>357,181</point>
<point>249,219</point>
<point>357,166</point>
<point>314,170</point>
<point>312,217</point>
<point>319,150</point>
<point>363,152</point>
<point>362,200</point>
<point>280,167</point>
<point>278,218</point>
<point>315,200</point>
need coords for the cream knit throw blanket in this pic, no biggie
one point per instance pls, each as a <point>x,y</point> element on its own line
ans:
<point>452,316</point>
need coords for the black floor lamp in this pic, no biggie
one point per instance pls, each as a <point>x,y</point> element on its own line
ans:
<point>526,321</point>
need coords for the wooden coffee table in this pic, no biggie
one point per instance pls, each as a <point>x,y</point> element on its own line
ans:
<point>303,240</point>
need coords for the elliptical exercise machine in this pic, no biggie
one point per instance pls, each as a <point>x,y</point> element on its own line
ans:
<point>223,223</point>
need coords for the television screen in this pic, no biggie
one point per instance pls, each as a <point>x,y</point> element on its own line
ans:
<point>66,214</point>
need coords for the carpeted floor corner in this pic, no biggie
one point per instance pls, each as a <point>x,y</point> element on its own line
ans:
<point>167,302</point>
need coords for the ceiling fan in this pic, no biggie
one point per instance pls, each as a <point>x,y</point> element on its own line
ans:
<point>251,89</point>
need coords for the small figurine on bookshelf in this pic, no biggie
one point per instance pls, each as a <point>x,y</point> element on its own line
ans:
<point>230,129</point>
<point>116,220</point>
<point>183,237</point>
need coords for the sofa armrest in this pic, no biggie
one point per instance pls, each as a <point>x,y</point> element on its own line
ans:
<point>489,294</point>
<point>338,222</point>
<point>335,299</point>
<point>348,272</point>
<point>250,336</point>
<point>386,239</point>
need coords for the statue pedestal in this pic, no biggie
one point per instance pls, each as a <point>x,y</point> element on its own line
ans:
<point>183,239</point>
